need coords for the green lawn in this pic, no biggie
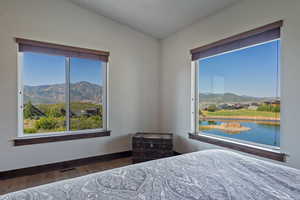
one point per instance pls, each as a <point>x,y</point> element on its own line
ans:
<point>241,112</point>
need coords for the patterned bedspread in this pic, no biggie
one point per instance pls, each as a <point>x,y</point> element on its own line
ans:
<point>212,174</point>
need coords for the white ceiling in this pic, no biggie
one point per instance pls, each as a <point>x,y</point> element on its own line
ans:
<point>158,18</point>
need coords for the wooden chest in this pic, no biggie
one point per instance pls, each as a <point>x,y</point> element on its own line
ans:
<point>151,146</point>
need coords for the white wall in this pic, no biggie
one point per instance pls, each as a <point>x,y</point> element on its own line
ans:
<point>133,77</point>
<point>142,95</point>
<point>249,14</point>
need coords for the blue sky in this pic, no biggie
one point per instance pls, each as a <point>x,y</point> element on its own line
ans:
<point>251,71</point>
<point>42,69</point>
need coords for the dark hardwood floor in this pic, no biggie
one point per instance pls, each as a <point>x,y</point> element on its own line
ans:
<point>19,183</point>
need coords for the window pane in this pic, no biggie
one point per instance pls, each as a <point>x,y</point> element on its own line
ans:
<point>86,94</point>
<point>44,93</point>
<point>239,94</point>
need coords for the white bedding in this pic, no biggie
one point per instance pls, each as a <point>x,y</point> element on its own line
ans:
<point>212,174</point>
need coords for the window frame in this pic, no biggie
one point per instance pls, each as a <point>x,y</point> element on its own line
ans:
<point>68,132</point>
<point>195,103</point>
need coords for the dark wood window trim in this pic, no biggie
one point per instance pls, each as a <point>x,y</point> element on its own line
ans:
<point>57,138</point>
<point>248,38</point>
<point>262,152</point>
<point>63,50</point>
<point>25,45</point>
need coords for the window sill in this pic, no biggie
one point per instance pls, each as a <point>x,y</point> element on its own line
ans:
<point>58,138</point>
<point>246,148</point>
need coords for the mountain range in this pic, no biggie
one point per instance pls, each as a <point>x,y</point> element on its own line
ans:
<point>88,92</point>
<point>50,94</point>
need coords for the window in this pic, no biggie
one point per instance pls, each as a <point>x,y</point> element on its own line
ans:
<point>86,94</point>
<point>236,88</point>
<point>62,90</point>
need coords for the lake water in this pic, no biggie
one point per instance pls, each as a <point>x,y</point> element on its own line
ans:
<point>262,133</point>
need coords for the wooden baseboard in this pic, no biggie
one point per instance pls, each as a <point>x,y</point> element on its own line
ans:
<point>62,165</point>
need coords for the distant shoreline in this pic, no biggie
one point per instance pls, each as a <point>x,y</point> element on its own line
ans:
<point>250,118</point>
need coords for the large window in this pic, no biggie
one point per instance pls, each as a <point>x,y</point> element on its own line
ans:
<point>61,91</point>
<point>235,91</point>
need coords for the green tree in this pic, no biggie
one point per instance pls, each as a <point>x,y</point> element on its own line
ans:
<point>29,111</point>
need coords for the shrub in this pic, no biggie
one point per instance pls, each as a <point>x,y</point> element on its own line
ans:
<point>55,112</point>
<point>30,130</point>
<point>46,123</point>
<point>212,123</point>
<point>212,108</point>
<point>269,108</point>
<point>200,112</point>
<point>82,123</point>
<point>276,109</point>
<point>264,107</point>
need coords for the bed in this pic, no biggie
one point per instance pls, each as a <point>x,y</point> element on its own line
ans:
<point>211,174</point>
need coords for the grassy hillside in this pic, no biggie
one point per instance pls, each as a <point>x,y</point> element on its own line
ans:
<point>241,112</point>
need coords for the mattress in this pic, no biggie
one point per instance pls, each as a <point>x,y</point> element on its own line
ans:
<point>211,174</point>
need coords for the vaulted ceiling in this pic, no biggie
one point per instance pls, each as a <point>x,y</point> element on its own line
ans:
<point>158,18</point>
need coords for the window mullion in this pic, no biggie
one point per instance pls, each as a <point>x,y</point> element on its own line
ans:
<point>105,95</point>
<point>20,96</point>
<point>67,86</point>
<point>197,117</point>
<point>194,99</point>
